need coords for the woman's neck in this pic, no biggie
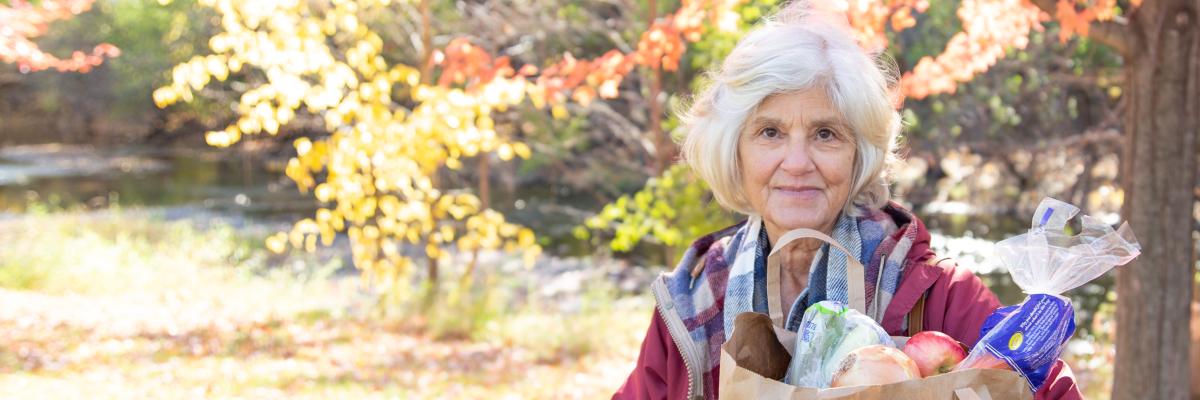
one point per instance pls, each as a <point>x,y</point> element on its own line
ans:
<point>796,260</point>
<point>795,265</point>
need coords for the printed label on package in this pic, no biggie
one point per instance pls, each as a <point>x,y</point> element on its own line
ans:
<point>1032,335</point>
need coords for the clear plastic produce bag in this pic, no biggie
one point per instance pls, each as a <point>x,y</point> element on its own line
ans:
<point>1046,262</point>
<point>829,331</point>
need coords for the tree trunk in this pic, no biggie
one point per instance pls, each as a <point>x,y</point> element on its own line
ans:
<point>1195,339</point>
<point>426,42</point>
<point>431,266</point>
<point>1159,162</point>
<point>485,199</point>
<point>663,148</point>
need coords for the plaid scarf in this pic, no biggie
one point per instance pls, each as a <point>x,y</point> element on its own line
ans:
<point>746,289</point>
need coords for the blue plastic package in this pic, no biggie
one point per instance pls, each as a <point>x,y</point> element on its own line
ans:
<point>1046,262</point>
<point>1030,335</point>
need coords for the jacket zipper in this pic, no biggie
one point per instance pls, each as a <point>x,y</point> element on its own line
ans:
<point>878,284</point>
<point>675,328</point>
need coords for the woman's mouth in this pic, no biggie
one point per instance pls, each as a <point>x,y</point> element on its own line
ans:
<point>802,192</point>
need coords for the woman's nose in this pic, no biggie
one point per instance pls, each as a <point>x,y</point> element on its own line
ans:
<point>797,159</point>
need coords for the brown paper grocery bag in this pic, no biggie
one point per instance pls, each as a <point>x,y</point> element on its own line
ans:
<point>753,354</point>
<point>754,360</point>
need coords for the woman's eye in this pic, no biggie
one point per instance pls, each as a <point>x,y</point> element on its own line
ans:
<point>826,134</point>
<point>769,133</point>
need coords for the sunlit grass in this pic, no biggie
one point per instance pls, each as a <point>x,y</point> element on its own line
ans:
<point>113,252</point>
<point>125,304</point>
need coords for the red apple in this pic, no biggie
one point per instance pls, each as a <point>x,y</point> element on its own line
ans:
<point>934,352</point>
<point>875,365</point>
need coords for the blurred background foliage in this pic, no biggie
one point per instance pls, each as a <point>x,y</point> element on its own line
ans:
<point>93,161</point>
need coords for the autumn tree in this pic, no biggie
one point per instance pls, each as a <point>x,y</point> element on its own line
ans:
<point>392,127</point>
<point>22,21</point>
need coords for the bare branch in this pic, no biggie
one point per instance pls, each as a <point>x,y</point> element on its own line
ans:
<point>1086,80</point>
<point>1100,135</point>
<point>1112,34</point>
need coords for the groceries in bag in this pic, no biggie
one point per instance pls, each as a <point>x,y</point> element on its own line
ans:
<point>875,365</point>
<point>828,332</point>
<point>753,359</point>
<point>934,352</point>
<point>838,346</point>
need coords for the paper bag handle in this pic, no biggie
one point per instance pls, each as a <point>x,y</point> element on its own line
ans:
<point>855,273</point>
<point>970,394</point>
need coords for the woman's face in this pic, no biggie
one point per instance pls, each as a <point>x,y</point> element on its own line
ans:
<point>796,154</point>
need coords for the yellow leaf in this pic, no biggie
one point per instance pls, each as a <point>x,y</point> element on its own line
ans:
<point>217,138</point>
<point>530,256</point>
<point>370,232</point>
<point>485,122</point>
<point>249,125</point>
<point>165,96</point>
<point>505,152</point>
<point>522,150</point>
<point>323,193</point>
<point>271,126</point>
<point>303,145</point>
<point>525,237</point>
<point>509,230</point>
<point>559,111</point>
<point>277,243</point>
<point>310,244</point>
<point>327,236</point>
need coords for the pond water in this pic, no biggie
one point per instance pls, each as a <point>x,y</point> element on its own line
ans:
<point>68,177</point>
<point>255,194</point>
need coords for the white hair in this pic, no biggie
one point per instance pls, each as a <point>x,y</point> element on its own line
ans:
<point>799,48</point>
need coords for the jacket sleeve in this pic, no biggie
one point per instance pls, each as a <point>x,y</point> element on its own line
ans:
<point>967,303</point>
<point>1059,385</point>
<point>962,303</point>
<point>649,378</point>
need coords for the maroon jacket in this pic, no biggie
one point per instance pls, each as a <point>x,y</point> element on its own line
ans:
<point>956,303</point>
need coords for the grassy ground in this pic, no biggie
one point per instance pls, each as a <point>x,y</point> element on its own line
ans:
<point>122,304</point>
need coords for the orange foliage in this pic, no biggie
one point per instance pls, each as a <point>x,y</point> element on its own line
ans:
<point>462,61</point>
<point>660,47</point>
<point>1076,22</point>
<point>989,28</point>
<point>870,18</point>
<point>21,22</point>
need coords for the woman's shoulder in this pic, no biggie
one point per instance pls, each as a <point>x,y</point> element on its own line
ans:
<point>697,283</point>
<point>956,300</point>
<point>706,249</point>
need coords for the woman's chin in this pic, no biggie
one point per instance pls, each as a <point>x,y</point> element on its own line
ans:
<point>788,223</point>
<point>794,213</point>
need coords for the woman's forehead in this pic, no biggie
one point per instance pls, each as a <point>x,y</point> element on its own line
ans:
<point>808,105</point>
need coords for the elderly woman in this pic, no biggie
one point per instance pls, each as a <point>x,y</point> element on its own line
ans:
<point>796,131</point>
